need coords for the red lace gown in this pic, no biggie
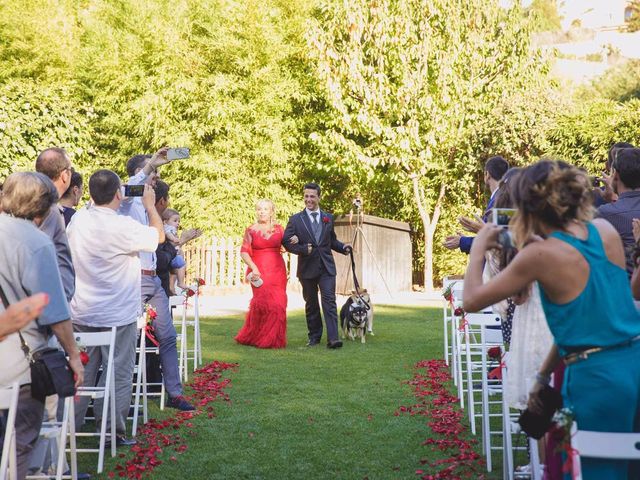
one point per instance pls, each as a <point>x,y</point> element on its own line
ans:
<point>265,325</point>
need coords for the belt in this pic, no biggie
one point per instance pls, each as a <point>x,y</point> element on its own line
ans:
<point>151,273</point>
<point>584,354</point>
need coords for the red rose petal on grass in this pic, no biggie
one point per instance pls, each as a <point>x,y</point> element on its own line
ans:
<point>208,386</point>
<point>445,421</point>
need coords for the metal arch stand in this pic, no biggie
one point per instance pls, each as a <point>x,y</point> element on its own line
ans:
<point>359,230</point>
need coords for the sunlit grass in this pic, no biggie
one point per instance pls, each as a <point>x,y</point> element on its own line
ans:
<point>314,413</point>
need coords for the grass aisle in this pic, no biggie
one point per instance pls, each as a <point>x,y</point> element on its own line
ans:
<point>314,413</point>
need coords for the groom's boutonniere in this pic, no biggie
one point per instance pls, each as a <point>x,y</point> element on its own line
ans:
<point>325,220</point>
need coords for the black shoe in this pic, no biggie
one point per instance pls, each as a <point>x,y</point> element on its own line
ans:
<point>121,441</point>
<point>313,343</point>
<point>334,344</point>
<point>180,403</point>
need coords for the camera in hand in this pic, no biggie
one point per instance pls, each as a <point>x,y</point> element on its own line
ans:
<point>357,202</point>
<point>502,217</point>
<point>505,240</point>
<point>133,190</point>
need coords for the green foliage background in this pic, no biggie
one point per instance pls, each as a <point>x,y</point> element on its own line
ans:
<point>236,81</point>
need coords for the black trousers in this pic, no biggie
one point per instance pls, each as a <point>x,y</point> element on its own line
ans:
<point>327,285</point>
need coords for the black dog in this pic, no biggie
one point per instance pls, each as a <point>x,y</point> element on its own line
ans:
<point>356,316</point>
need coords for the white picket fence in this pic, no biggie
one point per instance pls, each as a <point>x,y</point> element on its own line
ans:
<point>217,261</point>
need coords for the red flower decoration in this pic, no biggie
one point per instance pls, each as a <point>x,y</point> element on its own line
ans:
<point>84,357</point>
<point>190,292</point>
<point>494,353</point>
<point>152,313</point>
<point>458,312</point>
<point>201,281</point>
<point>325,220</point>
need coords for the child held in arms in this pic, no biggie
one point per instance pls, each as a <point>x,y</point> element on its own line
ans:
<point>171,219</point>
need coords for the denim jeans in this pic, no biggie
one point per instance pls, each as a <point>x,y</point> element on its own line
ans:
<point>165,333</point>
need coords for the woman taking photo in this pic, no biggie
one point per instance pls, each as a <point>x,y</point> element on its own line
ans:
<point>579,264</point>
<point>266,322</point>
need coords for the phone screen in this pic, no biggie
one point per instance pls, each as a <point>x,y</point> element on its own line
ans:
<point>177,153</point>
<point>133,190</point>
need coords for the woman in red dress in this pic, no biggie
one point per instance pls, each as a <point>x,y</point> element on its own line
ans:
<point>266,323</point>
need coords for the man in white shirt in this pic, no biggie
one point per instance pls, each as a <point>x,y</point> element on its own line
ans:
<point>142,169</point>
<point>105,248</point>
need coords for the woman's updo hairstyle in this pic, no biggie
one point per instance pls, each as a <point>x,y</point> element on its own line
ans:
<point>551,192</point>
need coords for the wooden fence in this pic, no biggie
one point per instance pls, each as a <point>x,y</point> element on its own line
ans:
<point>217,261</point>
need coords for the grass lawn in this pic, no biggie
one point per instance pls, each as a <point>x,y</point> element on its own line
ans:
<point>313,413</point>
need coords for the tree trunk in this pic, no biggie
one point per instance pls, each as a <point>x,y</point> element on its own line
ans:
<point>429,223</point>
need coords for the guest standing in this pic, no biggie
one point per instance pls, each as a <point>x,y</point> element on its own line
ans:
<point>494,169</point>
<point>266,321</point>
<point>71,198</point>
<point>30,267</point>
<point>105,249</point>
<point>588,307</point>
<point>625,182</point>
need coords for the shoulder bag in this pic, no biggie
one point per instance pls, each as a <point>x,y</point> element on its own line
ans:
<point>50,370</point>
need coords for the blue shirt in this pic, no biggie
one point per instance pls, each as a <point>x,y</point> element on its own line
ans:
<point>466,242</point>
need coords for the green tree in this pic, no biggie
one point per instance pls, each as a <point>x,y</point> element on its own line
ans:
<point>212,75</point>
<point>409,79</point>
<point>633,19</point>
<point>544,15</point>
<point>34,117</point>
<point>584,134</point>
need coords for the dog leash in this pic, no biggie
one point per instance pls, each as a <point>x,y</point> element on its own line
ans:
<point>355,281</point>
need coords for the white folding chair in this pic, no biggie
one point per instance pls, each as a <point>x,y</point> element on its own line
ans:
<point>608,445</point>
<point>141,393</point>
<point>9,402</point>
<point>107,393</point>
<point>59,432</point>
<point>185,354</point>
<point>456,335</point>
<point>484,326</point>
<point>178,301</point>
<point>447,317</point>
<point>196,325</point>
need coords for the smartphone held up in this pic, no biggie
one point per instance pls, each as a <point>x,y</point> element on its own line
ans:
<point>502,217</point>
<point>177,153</point>
<point>133,190</point>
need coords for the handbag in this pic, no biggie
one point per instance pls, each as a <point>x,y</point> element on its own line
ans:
<point>50,370</point>
<point>537,424</point>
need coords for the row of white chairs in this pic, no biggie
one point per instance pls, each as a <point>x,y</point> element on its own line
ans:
<point>64,431</point>
<point>466,344</point>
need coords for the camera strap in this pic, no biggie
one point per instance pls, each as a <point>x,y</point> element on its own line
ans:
<point>355,280</point>
<point>23,344</point>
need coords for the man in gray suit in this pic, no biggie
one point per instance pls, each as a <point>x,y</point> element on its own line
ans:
<point>310,235</point>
